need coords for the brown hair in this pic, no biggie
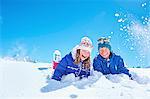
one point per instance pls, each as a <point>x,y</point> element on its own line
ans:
<point>86,62</point>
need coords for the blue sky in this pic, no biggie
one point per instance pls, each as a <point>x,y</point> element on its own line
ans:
<point>41,26</point>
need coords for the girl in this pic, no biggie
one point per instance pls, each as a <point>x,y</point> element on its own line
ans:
<point>76,62</point>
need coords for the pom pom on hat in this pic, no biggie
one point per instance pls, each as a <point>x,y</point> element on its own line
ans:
<point>86,44</point>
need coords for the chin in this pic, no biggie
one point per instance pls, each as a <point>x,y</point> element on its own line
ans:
<point>83,59</point>
<point>105,56</point>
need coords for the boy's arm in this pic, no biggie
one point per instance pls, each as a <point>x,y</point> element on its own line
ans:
<point>97,66</point>
<point>122,68</point>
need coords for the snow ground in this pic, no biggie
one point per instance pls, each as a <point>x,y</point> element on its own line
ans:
<point>23,80</point>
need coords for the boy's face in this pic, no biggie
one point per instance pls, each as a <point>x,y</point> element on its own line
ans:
<point>104,52</point>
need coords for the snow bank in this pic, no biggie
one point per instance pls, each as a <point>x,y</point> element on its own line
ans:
<point>22,80</point>
<point>19,79</point>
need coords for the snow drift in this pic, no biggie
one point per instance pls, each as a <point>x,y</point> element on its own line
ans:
<point>21,80</point>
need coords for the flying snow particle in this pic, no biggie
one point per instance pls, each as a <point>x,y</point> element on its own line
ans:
<point>146,18</point>
<point>121,29</point>
<point>124,27</point>
<point>120,20</point>
<point>144,4</point>
<point>111,32</point>
<point>116,14</point>
<point>109,36</point>
<point>131,48</point>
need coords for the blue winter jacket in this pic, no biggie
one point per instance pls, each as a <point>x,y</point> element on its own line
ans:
<point>115,65</point>
<point>67,66</point>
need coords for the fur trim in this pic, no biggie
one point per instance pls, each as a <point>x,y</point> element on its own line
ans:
<point>74,51</point>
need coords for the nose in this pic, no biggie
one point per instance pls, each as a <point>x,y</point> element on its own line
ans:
<point>102,51</point>
<point>87,53</point>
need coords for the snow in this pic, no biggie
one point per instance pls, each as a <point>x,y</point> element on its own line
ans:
<point>136,33</point>
<point>23,80</point>
<point>116,14</point>
<point>120,20</point>
<point>131,48</point>
<point>112,32</point>
<point>144,4</point>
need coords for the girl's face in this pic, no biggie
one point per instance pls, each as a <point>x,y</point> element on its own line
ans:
<point>84,54</point>
<point>104,52</point>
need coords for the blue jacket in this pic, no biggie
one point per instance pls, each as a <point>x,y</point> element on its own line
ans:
<point>67,66</point>
<point>115,65</point>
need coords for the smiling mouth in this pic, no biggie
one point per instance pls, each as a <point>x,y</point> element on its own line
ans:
<point>83,56</point>
<point>105,54</point>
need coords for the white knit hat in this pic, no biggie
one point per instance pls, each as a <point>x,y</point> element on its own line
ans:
<point>86,44</point>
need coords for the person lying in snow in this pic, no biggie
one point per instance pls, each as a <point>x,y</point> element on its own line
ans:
<point>76,62</point>
<point>108,62</point>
